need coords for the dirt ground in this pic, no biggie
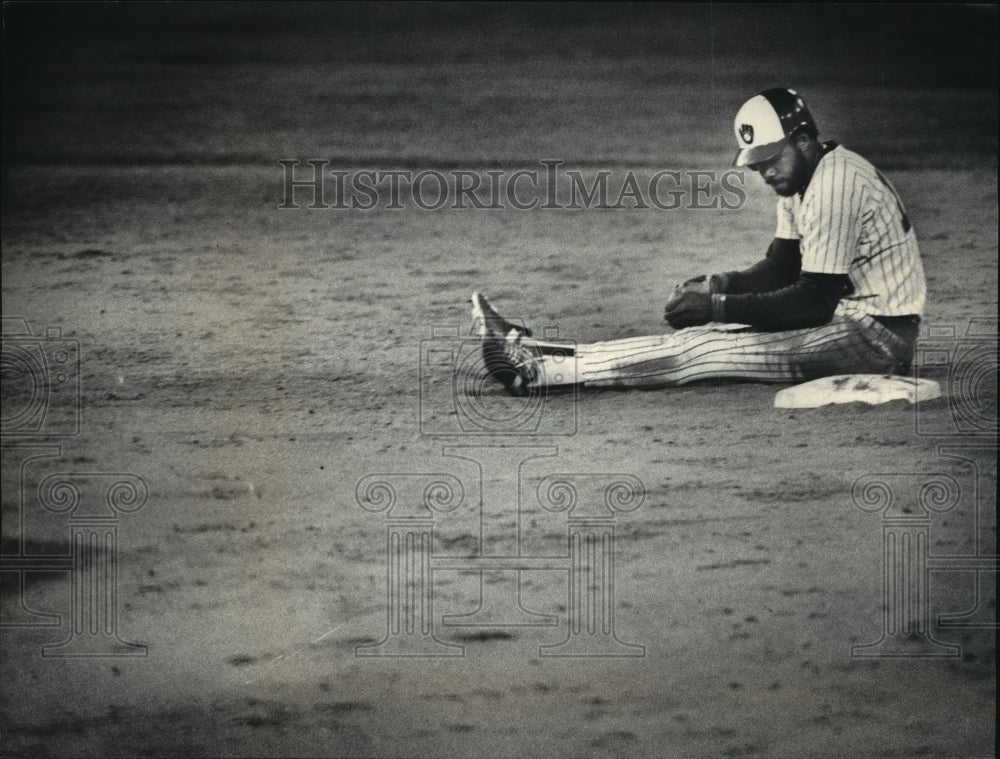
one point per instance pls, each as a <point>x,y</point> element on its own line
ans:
<point>253,365</point>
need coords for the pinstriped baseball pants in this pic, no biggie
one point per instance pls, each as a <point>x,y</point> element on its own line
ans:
<point>846,345</point>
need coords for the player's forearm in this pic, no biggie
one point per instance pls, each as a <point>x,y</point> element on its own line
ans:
<point>809,302</point>
<point>779,269</point>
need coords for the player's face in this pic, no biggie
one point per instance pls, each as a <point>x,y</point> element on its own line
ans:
<point>786,172</point>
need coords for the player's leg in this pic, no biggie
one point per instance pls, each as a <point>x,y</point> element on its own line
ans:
<point>846,345</point>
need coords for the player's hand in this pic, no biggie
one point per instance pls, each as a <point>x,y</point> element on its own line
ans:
<point>694,285</point>
<point>688,309</point>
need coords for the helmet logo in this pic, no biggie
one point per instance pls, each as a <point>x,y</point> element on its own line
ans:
<point>746,132</point>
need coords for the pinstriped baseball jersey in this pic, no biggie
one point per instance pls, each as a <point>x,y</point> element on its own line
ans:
<point>851,221</point>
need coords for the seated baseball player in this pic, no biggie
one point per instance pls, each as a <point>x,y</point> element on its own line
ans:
<point>840,291</point>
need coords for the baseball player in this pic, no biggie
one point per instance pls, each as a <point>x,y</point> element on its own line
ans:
<point>841,289</point>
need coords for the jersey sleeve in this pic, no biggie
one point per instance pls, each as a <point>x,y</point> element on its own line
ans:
<point>831,219</point>
<point>786,228</point>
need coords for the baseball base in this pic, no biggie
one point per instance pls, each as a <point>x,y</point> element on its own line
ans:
<point>873,389</point>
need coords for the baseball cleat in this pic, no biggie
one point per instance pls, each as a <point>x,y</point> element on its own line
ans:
<point>486,321</point>
<point>506,365</point>
<point>507,360</point>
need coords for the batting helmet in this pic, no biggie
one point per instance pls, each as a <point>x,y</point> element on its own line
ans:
<point>766,121</point>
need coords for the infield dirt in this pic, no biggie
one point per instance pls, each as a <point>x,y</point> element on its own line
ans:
<point>254,364</point>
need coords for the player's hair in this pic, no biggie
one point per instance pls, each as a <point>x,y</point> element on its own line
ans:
<point>807,129</point>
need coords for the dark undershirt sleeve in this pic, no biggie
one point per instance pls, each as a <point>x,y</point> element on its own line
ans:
<point>809,302</point>
<point>776,294</point>
<point>779,269</point>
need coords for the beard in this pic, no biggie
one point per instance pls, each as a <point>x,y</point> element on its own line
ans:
<point>785,189</point>
<point>798,177</point>
<point>801,174</point>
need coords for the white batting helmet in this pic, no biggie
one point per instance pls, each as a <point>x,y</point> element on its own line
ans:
<point>766,121</point>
